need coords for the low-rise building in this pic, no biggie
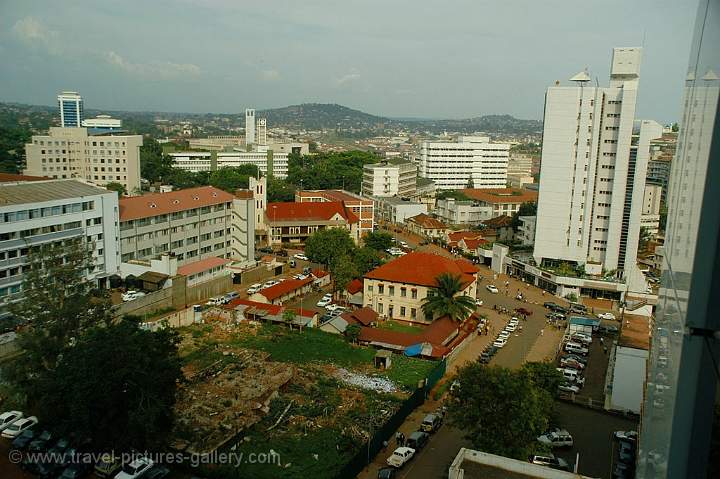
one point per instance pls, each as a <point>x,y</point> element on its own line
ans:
<point>628,369</point>
<point>425,193</point>
<point>363,208</point>
<point>482,204</point>
<point>396,210</point>
<point>470,464</point>
<point>426,226</point>
<point>39,212</point>
<point>650,215</point>
<point>284,291</point>
<point>294,222</point>
<point>205,270</point>
<point>499,227</point>
<point>398,288</point>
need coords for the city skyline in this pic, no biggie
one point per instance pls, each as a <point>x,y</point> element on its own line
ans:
<point>218,57</point>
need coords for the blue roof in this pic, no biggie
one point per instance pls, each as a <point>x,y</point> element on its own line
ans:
<point>584,321</point>
<point>414,350</point>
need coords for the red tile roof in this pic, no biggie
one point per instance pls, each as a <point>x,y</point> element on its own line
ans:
<point>458,235</point>
<point>202,265</point>
<point>271,309</point>
<point>311,211</point>
<point>501,195</point>
<point>422,269</point>
<point>319,273</point>
<point>332,195</point>
<point>308,313</point>
<point>284,287</point>
<point>244,194</point>
<point>364,316</point>
<point>153,204</point>
<point>474,242</point>
<point>355,286</point>
<point>440,331</point>
<point>498,221</point>
<point>11,177</point>
<point>427,222</point>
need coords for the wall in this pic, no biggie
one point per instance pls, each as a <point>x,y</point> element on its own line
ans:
<point>176,319</point>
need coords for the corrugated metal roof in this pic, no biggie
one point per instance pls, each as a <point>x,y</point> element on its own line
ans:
<point>39,191</point>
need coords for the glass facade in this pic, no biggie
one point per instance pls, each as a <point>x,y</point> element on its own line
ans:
<point>71,112</point>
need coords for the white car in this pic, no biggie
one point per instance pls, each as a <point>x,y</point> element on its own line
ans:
<point>270,283</point>
<point>511,327</point>
<point>478,302</point>
<point>216,301</point>
<point>403,244</point>
<point>569,388</point>
<point>17,427</point>
<point>132,295</point>
<point>324,302</point>
<point>254,288</point>
<point>492,288</point>
<point>500,342</point>
<point>503,335</point>
<point>556,438</point>
<point>609,316</point>
<point>300,256</point>
<point>400,456</point>
<point>135,469</point>
<point>8,418</point>
<point>582,338</point>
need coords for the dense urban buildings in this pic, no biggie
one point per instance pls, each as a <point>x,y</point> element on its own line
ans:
<point>469,162</point>
<point>389,178</point>
<point>362,208</point>
<point>294,222</point>
<point>34,213</point>
<point>70,104</point>
<point>76,153</point>
<point>482,204</point>
<point>395,210</point>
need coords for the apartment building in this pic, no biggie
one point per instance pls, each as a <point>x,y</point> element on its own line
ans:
<point>96,158</point>
<point>362,208</point>
<point>294,222</point>
<point>526,230</point>
<point>34,213</point>
<point>193,224</point>
<point>266,161</point>
<point>650,216</point>
<point>594,165</point>
<point>396,210</point>
<point>398,288</point>
<point>389,178</point>
<point>482,205</point>
<point>471,160</point>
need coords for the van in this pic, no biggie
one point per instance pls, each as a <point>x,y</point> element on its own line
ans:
<point>577,348</point>
<point>417,440</point>
<point>567,373</point>
<point>431,423</point>
<point>230,296</point>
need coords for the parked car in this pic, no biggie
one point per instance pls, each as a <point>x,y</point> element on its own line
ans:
<point>607,315</point>
<point>478,302</point>
<point>24,439</point>
<point>282,253</point>
<point>135,469</point>
<point>569,388</point>
<point>17,427</point>
<point>556,438</point>
<point>578,308</point>
<point>254,288</point>
<point>492,288</point>
<point>334,307</point>
<point>582,338</point>
<point>216,301</point>
<point>300,256</point>
<point>157,472</point>
<point>571,363</point>
<point>107,466</point>
<point>8,418</point>
<point>431,423</point>
<point>499,343</point>
<point>511,327</point>
<point>503,335</point>
<point>550,461</point>
<point>292,263</point>
<point>269,284</point>
<point>400,456</point>
<point>608,329</point>
<point>576,348</point>
<point>386,473</point>
<point>576,357</point>
<point>324,301</point>
<point>417,440</point>
<point>626,452</point>
<point>625,435</point>
<point>132,295</point>
<point>230,296</point>
<point>623,471</point>
<point>550,305</point>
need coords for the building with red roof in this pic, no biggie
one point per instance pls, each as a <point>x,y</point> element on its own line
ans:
<point>398,288</point>
<point>363,208</point>
<point>354,291</point>
<point>283,291</point>
<point>438,335</point>
<point>294,222</point>
<point>427,226</point>
<point>204,270</point>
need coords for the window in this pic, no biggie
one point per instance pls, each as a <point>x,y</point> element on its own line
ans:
<point>413,313</point>
<point>391,290</point>
<point>380,308</point>
<point>403,293</point>
<point>413,293</point>
<point>402,311</point>
<point>370,288</point>
<point>381,289</point>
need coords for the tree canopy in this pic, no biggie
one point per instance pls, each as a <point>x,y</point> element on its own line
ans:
<point>444,300</point>
<point>117,187</point>
<point>327,244</point>
<point>378,240</point>
<point>231,178</point>
<point>333,170</point>
<point>525,209</point>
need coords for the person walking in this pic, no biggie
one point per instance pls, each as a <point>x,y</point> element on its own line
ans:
<point>397,438</point>
<point>542,331</point>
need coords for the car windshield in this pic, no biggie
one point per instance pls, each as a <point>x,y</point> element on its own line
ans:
<point>14,426</point>
<point>130,469</point>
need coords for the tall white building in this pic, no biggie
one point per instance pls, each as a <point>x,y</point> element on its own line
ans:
<point>266,161</point>
<point>249,126</point>
<point>593,172</point>
<point>453,165</point>
<point>70,104</point>
<point>98,159</point>
<point>34,213</point>
<point>389,178</point>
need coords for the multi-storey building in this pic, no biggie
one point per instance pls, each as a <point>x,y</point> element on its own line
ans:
<point>294,222</point>
<point>396,210</point>
<point>34,213</point>
<point>362,208</point>
<point>249,126</point>
<point>662,151</point>
<point>389,178</point>
<point>102,123</point>
<point>74,153</point>
<point>650,216</point>
<point>275,163</point>
<point>593,171</point>
<point>472,160</point>
<point>70,104</point>
<point>483,204</point>
<point>193,224</point>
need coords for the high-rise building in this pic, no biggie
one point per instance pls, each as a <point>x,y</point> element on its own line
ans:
<point>650,216</point>
<point>70,104</point>
<point>593,167</point>
<point>75,153</point>
<point>389,178</point>
<point>470,162</point>
<point>249,126</point>
<point>261,132</point>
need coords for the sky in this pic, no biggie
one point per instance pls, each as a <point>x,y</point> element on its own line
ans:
<point>397,58</point>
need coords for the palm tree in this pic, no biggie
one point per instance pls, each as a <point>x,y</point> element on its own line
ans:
<point>442,301</point>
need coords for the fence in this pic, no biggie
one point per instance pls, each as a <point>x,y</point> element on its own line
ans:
<point>460,347</point>
<point>375,444</point>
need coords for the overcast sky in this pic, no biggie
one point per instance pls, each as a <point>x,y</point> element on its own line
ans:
<point>438,59</point>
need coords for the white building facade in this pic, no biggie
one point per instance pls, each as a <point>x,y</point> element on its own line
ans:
<point>650,217</point>
<point>389,179</point>
<point>453,165</point>
<point>70,104</point>
<point>276,163</point>
<point>249,126</point>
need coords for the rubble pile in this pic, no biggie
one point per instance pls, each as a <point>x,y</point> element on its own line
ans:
<point>379,384</point>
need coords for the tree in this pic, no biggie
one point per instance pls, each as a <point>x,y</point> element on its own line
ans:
<point>343,271</point>
<point>352,333</point>
<point>327,244</point>
<point>502,411</point>
<point>117,187</point>
<point>329,170</point>
<point>289,317</point>
<point>279,190</point>
<point>58,303</point>
<point>366,259</point>
<point>378,240</point>
<point>231,178</point>
<point>457,195</point>
<point>525,209</point>
<point>445,301</point>
<point>153,164</point>
<point>470,183</point>
<point>675,127</point>
<point>115,386</point>
<point>544,375</point>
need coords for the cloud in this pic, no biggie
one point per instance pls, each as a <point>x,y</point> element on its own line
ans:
<point>32,32</point>
<point>270,75</point>
<point>159,69</point>
<point>347,79</point>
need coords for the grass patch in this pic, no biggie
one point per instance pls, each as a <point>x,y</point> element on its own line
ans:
<point>400,327</point>
<point>407,371</point>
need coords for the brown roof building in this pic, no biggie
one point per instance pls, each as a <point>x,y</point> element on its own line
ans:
<point>361,207</point>
<point>425,225</point>
<point>294,222</point>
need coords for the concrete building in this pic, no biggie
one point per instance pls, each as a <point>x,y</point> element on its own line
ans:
<point>650,216</point>
<point>662,151</point>
<point>389,178</point>
<point>427,226</point>
<point>396,210</point>
<point>526,230</point>
<point>363,208</point>
<point>470,464</point>
<point>266,161</point>
<point>193,224</point>
<point>261,132</point>
<point>205,270</point>
<point>70,104</point>
<point>216,142</point>
<point>520,164</point>
<point>249,126</point>
<point>102,123</point>
<point>425,193</point>
<point>193,161</point>
<point>471,159</point>
<point>482,204</point>
<point>294,222</point>
<point>594,165</point>
<point>397,288</point>
<point>34,213</point>
<point>242,229</point>
<point>75,153</point>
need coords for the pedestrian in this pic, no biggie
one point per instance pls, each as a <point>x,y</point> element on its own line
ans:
<point>542,331</point>
<point>602,341</point>
<point>507,283</point>
<point>543,292</point>
<point>604,349</point>
<point>402,439</point>
<point>385,445</point>
<point>397,438</point>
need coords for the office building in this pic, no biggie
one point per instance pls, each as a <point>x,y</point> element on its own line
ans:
<point>662,151</point>
<point>193,224</point>
<point>650,216</point>
<point>389,178</point>
<point>70,104</point>
<point>294,222</point>
<point>594,165</point>
<point>249,126</point>
<point>96,158</point>
<point>482,204</point>
<point>395,210</point>
<point>470,162</point>
<point>39,212</point>
<point>102,123</point>
<point>362,208</point>
<point>266,161</point>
